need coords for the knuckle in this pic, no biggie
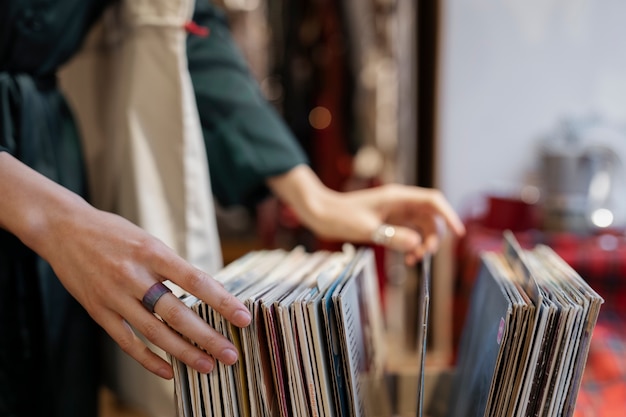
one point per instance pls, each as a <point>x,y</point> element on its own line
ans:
<point>126,343</point>
<point>145,359</point>
<point>436,195</point>
<point>148,247</point>
<point>187,355</point>
<point>209,340</point>
<point>390,191</point>
<point>151,331</point>
<point>93,304</point>
<point>122,270</point>
<point>174,315</point>
<point>195,281</point>
<point>225,302</point>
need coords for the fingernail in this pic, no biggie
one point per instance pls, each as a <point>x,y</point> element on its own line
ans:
<point>241,318</point>
<point>229,356</point>
<point>204,365</point>
<point>164,373</point>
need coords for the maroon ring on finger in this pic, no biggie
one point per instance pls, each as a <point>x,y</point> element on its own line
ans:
<point>154,293</point>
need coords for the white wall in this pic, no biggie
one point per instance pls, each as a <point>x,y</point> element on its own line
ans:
<point>509,71</point>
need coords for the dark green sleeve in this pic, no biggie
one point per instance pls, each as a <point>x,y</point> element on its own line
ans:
<point>246,139</point>
<point>7,141</point>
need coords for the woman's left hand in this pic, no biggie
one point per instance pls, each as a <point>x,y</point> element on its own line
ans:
<point>405,218</point>
<point>408,219</point>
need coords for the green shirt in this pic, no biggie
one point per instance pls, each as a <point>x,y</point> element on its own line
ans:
<point>246,140</point>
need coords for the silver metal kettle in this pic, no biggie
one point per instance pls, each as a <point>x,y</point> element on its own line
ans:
<point>582,183</point>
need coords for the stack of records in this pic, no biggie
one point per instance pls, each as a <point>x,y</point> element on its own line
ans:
<point>316,335</point>
<point>526,337</point>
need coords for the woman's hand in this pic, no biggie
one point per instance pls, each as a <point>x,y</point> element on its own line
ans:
<point>408,219</point>
<point>108,264</point>
<point>416,215</point>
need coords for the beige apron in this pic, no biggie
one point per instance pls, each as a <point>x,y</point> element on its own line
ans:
<point>133,99</point>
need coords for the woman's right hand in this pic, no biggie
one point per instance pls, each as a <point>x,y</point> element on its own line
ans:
<point>107,263</point>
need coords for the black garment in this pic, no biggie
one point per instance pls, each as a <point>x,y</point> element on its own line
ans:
<point>49,345</point>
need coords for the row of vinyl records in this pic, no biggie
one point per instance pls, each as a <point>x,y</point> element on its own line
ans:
<point>315,346</point>
<point>526,337</point>
<point>316,334</point>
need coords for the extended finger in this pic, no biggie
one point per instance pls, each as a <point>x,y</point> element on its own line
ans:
<point>429,240</point>
<point>188,323</point>
<point>165,337</point>
<point>410,259</point>
<point>414,256</point>
<point>204,287</point>
<point>448,213</point>
<point>121,332</point>
<point>438,203</point>
<point>431,233</point>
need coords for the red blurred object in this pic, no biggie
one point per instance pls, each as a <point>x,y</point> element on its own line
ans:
<point>603,389</point>
<point>195,29</point>
<point>510,213</point>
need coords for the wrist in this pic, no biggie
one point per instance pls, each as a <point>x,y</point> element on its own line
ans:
<point>45,226</point>
<point>33,205</point>
<point>303,191</point>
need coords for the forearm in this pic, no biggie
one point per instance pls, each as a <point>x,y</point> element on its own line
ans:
<point>30,202</point>
<point>302,190</point>
<point>328,213</point>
